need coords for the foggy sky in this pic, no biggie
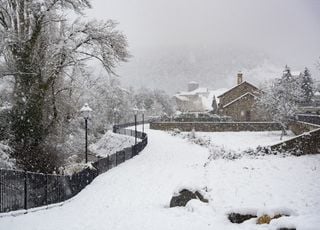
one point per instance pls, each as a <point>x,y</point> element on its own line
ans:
<point>287,30</point>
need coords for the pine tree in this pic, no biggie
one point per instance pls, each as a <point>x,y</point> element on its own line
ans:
<point>214,105</point>
<point>307,86</point>
<point>287,74</point>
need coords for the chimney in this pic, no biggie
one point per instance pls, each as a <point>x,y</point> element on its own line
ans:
<point>239,78</point>
<point>192,85</point>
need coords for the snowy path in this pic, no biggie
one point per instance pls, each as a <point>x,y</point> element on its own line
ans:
<point>136,194</point>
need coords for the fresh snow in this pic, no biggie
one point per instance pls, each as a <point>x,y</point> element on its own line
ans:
<point>136,194</point>
<point>240,141</point>
<point>5,161</point>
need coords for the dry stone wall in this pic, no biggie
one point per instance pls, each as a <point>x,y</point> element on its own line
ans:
<point>216,126</point>
<point>308,142</point>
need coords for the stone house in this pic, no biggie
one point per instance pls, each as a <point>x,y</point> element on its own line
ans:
<point>238,102</point>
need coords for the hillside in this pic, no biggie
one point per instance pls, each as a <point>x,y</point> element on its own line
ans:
<point>212,67</point>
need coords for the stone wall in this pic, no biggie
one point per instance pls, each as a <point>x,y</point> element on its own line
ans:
<point>239,110</point>
<point>301,127</point>
<point>216,126</point>
<point>304,144</point>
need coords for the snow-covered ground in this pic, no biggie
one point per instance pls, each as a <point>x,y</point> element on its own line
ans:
<point>136,194</point>
<point>240,141</point>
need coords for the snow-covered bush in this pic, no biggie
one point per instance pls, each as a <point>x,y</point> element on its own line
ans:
<point>224,152</point>
<point>5,161</point>
<point>73,168</point>
<point>280,98</point>
<point>111,143</point>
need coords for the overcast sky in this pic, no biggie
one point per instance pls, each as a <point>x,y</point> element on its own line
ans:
<point>283,28</point>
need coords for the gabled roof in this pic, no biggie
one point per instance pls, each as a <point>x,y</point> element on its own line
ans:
<point>238,98</point>
<point>236,87</point>
<point>181,98</point>
<point>193,92</point>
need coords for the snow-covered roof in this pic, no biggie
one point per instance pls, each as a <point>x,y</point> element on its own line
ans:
<point>236,87</point>
<point>181,98</point>
<point>238,98</point>
<point>205,95</point>
<point>295,73</point>
<point>193,92</point>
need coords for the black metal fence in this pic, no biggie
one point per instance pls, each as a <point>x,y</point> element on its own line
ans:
<point>25,190</point>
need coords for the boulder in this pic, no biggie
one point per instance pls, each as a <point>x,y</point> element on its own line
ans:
<point>265,219</point>
<point>286,228</point>
<point>238,218</point>
<point>184,197</point>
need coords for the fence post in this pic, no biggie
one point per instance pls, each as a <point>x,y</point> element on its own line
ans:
<point>133,151</point>
<point>46,190</point>
<point>25,190</point>
<point>1,192</point>
<point>108,163</point>
<point>116,158</point>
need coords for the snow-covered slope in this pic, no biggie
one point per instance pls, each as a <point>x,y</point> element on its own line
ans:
<point>111,143</point>
<point>136,194</point>
<point>213,67</point>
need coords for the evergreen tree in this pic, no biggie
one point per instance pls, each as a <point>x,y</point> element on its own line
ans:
<point>214,105</point>
<point>287,76</point>
<point>307,86</point>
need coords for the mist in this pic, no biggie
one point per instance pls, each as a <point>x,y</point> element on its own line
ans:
<point>210,40</point>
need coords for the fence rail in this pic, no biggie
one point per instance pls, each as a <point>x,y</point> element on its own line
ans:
<point>25,190</point>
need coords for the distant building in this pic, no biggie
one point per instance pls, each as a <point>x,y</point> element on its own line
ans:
<point>238,102</point>
<point>196,99</point>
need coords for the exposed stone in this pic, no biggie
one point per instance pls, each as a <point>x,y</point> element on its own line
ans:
<point>299,128</point>
<point>184,197</point>
<point>286,228</point>
<point>265,219</point>
<point>277,216</point>
<point>238,218</point>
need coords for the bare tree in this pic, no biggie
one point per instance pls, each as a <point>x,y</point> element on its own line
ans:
<point>279,100</point>
<point>39,49</point>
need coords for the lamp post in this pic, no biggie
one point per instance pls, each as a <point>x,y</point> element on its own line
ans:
<point>115,120</point>
<point>85,111</point>
<point>143,110</point>
<point>135,111</point>
<point>116,115</point>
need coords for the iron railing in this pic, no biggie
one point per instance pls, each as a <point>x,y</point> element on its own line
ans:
<point>25,190</point>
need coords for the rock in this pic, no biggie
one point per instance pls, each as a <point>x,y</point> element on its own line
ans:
<point>286,228</point>
<point>265,219</point>
<point>184,197</point>
<point>238,218</point>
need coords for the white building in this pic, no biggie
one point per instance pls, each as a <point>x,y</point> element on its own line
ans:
<point>196,99</point>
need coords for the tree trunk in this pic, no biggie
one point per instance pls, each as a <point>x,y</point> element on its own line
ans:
<point>27,120</point>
